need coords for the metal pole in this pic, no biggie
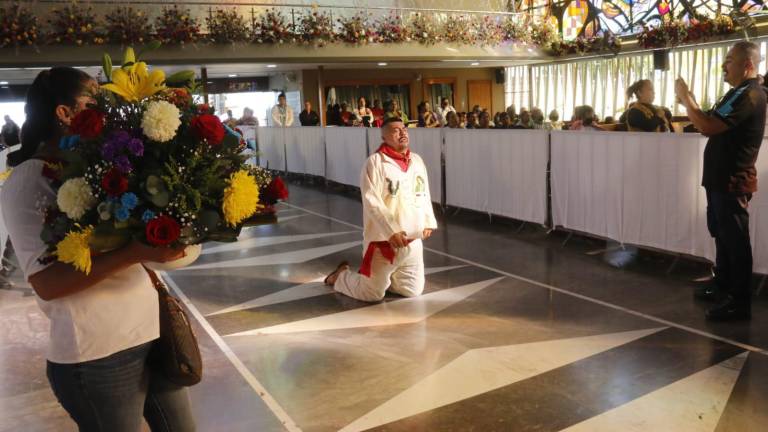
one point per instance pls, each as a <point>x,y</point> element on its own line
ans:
<point>204,78</point>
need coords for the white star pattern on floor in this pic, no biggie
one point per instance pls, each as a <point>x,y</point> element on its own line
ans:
<point>482,370</point>
<point>293,257</point>
<point>256,242</point>
<point>405,311</point>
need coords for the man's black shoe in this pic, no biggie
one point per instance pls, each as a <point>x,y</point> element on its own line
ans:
<point>729,311</point>
<point>709,293</point>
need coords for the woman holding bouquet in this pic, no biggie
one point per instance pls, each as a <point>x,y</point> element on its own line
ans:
<point>642,115</point>
<point>103,323</point>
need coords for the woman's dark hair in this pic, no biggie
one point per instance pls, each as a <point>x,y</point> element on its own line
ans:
<point>634,89</point>
<point>52,87</point>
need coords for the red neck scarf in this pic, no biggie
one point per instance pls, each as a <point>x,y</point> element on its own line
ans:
<point>402,160</point>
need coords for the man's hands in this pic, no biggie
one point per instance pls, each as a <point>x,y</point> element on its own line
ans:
<point>682,92</point>
<point>144,253</point>
<point>427,233</point>
<point>398,240</point>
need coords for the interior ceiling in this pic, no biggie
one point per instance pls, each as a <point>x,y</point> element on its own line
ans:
<point>26,75</point>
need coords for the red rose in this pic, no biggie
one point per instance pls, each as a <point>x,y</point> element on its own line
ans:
<point>162,231</point>
<point>87,123</point>
<point>114,183</point>
<point>203,109</point>
<point>276,191</point>
<point>208,127</point>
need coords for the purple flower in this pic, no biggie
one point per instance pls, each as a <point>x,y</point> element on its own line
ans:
<point>136,147</point>
<point>123,164</point>
<point>108,150</point>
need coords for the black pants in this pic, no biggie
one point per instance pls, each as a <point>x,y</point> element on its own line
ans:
<point>728,223</point>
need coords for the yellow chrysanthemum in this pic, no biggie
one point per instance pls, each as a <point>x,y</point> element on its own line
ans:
<point>74,249</point>
<point>5,174</point>
<point>135,83</point>
<point>241,198</point>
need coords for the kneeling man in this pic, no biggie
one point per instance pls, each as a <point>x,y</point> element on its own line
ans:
<point>397,214</point>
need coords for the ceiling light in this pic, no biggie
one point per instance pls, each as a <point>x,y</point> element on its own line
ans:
<point>475,64</point>
<point>232,75</point>
<point>382,64</point>
<point>271,66</point>
<point>3,82</point>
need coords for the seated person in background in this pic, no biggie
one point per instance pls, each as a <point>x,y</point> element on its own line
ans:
<point>378,113</point>
<point>496,120</point>
<point>363,114</point>
<point>471,121</point>
<point>554,122</point>
<point>462,120</point>
<point>512,113</point>
<point>309,117</point>
<point>392,109</point>
<point>524,122</point>
<point>503,122</point>
<point>231,121</point>
<point>484,121</point>
<point>452,120</point>
<point>609,120</point>
<point>248,119</point>
<point>642,115</point>
<point>334,119</point>
<point>427,118</point>
<point>346,116</point>
<point>584,119</point>
<point>537,118</point>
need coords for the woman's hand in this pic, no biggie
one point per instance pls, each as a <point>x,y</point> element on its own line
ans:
<point>144,253</point>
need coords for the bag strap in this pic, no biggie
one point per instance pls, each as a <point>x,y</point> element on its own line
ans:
<point>156,281</point>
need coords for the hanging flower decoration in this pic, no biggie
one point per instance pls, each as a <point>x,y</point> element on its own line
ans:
<point>226,27</point>
<point>18,26</point>
<point>74,24</point>
<point>422,29</point>
<point>543,34</point>
<point>356,29</point>
<point>515,30</point>
<point>486,30</point>
<point>272,28</point>
<point>457,30</point>
<point>315,28</point>
<point>176,26</point>
<point>126,25</point>
<point>390,29</point>
<point>583,45</point>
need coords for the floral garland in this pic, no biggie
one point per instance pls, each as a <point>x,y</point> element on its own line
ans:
<point>456,29</point>
<point>513,30</point>
<point>75,25</point>
<point>126,26</point>
<point>355,29</point>
<point>390,29</point>
<point>604,43</point>
<point>226,26</point>
<point>544,34</point>
<point>272,28</point>
<point>486,30</point>
<point>422,28</point>
<point>18,26</point>
<point>675,33</point>
<point>176,25</point>
<point>315,28</point>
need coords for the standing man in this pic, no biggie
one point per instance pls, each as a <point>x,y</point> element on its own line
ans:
<point>397,214</point>
<point>282,114</point>
<point>442,112</point>
<point>309,117</point>
<point>10,132</point>
<point>735,129</point>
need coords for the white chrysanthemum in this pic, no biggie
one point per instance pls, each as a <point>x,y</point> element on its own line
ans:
<point>160,121</point>
<point>75,198</point>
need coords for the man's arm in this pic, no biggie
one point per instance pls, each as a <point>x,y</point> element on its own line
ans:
<point>373,204</point>
<point>707,124</point>
<point>276,117</point>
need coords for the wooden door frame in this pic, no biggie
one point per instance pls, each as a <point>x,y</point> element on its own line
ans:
<point>426,82</point>
<point>490,93</point>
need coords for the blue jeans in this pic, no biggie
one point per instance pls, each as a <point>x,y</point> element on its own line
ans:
<point>112,394</point>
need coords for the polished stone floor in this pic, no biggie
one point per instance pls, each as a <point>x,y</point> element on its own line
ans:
<point>515,332</point>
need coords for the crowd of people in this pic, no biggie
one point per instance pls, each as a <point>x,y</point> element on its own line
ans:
<point>640,115</point>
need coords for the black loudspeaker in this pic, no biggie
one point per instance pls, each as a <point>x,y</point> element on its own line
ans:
<point>499,75</point>
<point>394,89</point>
<point>661,60</point>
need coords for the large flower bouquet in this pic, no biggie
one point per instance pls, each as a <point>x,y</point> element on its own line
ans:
<point>226,26</point>
<point>126,25</point>
<point>145,163</point>
<point>272,28</point>
<point>356,29</point>
<point>75,24</point>
<point>315,28</point>
<point>176,26</point>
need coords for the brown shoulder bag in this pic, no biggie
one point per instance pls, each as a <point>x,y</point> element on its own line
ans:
<point>177,352</point>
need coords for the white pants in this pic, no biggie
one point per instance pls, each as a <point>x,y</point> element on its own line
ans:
<point>405,275</point>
